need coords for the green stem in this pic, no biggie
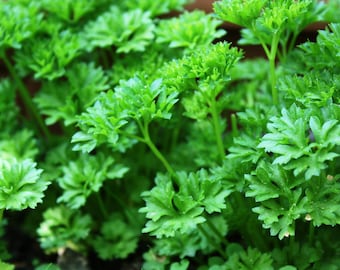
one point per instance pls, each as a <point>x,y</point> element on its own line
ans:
<point>250,99</point>
<point>234,129</point>
<point>26,98</point>
<point>292,42</point>
<point>101,205</point>
<point>217,129</point>
<point>265,48</point>
<point>271,55</point>
<point>212,241</point>
<point>132,136</point>
<point>154,149</point>
<point>1,214</point>
<point>272,68</point>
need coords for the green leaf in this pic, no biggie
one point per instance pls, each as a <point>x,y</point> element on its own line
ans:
<point>17,23</point>
<point>21,145</point>
<point>314,88</point>
<point>116,240</point>
<point>21,185</point>
<point>252,259</point>
<point>267,22</point>
<point>298,255</point>
<point>63,227</point>
<point>189,30</point>
<point>239,12</point>
<point>64,100</point>
<point>280,198</point>
<point>182,265</point>
<point>85,176</point>
<point>324,52</point>
<point>167,215</point>
<point>170,210</point>
<point>127,30</point>
<point>6,266</point>
<point>295,149</point>
<point>70,11</point>
<point>156,7</point>
<point>114,117</point>
<point>49,56</point>
<point>188,245</point>
<point>245,149</point>
<point>209,70</point>
<point>324,201</point>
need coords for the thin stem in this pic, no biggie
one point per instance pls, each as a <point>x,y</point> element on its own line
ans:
<point>1,214</point>
<point>292,42</point>
<point>265,48</point>
<point>212,241</point>
<point>272,68</point>
<point>132,136</point>
<point>154,149</point>
<point>250,98</point>
<point>217,129</point>
<point>24,93</point>
<point>101,205</point>
<point>234,129</point>
<point>271,55</point>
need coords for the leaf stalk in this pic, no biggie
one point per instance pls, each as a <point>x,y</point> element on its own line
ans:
<point>26,98</point>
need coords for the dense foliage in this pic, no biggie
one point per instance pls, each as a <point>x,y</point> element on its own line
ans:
<point>125,130</point>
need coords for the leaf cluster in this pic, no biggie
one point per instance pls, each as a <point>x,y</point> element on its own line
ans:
<point>139,131</point>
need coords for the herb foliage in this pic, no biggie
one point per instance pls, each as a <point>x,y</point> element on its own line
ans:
<point>137,131</point>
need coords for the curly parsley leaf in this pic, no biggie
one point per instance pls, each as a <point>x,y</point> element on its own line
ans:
<point>189,30</point>
<point>169,210</point>
<point>316,88</point>
<point>188,245</point>
<point>70,11</point>
<point>116,239</point>
<point>63,227</point>
<point>288,139</point>
<point>20,145</point>
<point>21,185</point>
<point>115,116</point>
<point>324,201</point>
<point>156,7</point>
<point>127,30</point>
<point>64,100</point>
<point>264,19</point>
<point>85,176</point>
<point>17,23</point>
<point>324,52</point>
<point>49,56</point>
<point>280,196</point>
<point>250,259</point>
